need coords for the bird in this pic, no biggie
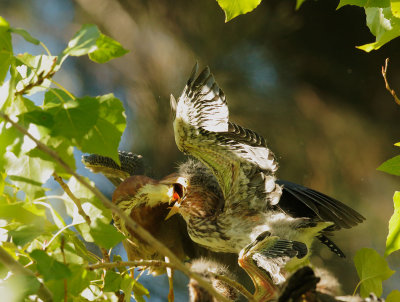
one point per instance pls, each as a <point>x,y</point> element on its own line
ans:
<point>243,197</point>
<point>132,187</point>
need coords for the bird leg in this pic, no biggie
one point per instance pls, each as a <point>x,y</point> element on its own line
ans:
<point>170,274</point>
<point>264,260</point>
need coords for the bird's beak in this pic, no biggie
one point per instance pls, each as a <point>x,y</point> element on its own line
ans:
<point>174,210</point>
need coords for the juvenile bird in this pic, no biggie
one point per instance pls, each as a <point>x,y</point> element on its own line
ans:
<point>242,198</point>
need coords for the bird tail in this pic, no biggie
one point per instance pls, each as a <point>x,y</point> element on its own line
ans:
<point>331,245</point>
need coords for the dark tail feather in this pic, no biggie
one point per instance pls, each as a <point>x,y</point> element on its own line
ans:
<point>331,245</point>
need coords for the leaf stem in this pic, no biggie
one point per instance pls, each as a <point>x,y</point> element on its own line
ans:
<point>139,230</point>
<point>17,268</point>
<point>45,48</point>
<point>63,89</point>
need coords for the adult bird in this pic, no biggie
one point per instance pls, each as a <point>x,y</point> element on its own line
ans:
<point>244,198</point>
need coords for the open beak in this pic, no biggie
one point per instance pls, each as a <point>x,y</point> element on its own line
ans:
<point>174,210</point>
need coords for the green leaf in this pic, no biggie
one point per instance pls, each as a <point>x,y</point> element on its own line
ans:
<point>383,25</point>
<point>84,41</point>
<point>395,7</point>
<point>107,49</point>
<point>34,72</point>
<point>17,212</point>
<point>104,137</point>
<point>72,118</point>
<point>91,206</point>
<point>299,3</point>
<point>22,285</point>
<point>112,281</point>
<point>393,238</point>
<point>139,291</point>
<point>127,286</point>
<point>394,296</point>
<point>26,233</point>
<point>105,235</point>
<point>365,3</point>
<point>391,166</point>
<point>28,173</point>
<point>79,279</point>
<point>6,51</point>
<point>397,144</point>
<point>234,8</point>
<point>24,34</point>
<point>48,267</point>
<point>82,251</point>
<point>372,270</point>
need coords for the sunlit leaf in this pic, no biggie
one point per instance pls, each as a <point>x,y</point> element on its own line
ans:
<point>393,238</point>
<point>28,173</point>
<point>105,235</point>
<point>34,72</point>
<point>395,7</point>
<point>82,250</point>
<point>107,49</point>
<point>26,233</point>
<point>48,267</point>
<point>91,206</point>
<point>391,166</point>
<point>394,296</point>
<point>24,34</point>
<point>6,51</point>
<point>104,137</point>
<point>299,3</point>
<point>127,286</point>
<point>365,3</point>
<point>234,8</point>
<point>139,291</point>
<point>72,118</point>
<point>372,269</point>
<point>17,212</point>
<point>84,41</point>
<point>383,25</point>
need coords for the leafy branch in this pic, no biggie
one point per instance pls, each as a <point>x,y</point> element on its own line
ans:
<point>140,231</point>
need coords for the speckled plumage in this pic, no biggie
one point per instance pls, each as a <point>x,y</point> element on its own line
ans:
<point>242,197</point>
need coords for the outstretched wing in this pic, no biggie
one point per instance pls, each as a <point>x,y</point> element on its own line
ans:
<point>300,201</point>
<point>238,157</point>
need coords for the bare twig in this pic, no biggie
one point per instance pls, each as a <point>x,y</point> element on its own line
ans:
<point>17,268</point>
<point>71,195</point>
<point>140,231</point>
<point>392,92</point>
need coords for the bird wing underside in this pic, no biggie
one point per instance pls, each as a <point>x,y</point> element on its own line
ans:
<point>299,201</point>
<point>238,157</point>
<point>202,103</point>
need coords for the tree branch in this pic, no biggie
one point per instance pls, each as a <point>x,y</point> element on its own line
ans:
<point>163,264</point>
<point>392,92</point>
<point>18,269</point>
<point>140,231</point>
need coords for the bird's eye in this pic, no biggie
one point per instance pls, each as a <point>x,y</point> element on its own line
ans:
<point>179,190</point>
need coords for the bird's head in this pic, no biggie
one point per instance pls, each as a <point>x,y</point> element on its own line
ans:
<point>177,191</point>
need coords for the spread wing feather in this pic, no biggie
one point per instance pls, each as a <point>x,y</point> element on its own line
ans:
<point>299,201</point>
<point>238,157</point>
